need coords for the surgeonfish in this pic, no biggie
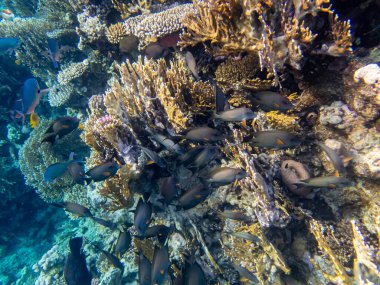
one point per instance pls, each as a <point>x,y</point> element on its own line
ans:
<point>168,189</point>
<point>53,49</point>
<point>168,143</point>
<point>145,270</point>
<point>189,156</point>
<point>271,101</point>
<point>142,217</point>
<point>193,197</point>
<point>204,157</point>
<point>76,172</point>
<point>224,175</point>
<point>220,97</point>
<point>75,209</point>
<point>55,171</point>
<point>244,235</point>
<point>275,139</point>
<point>334,158</point>
<point>75,270</point>
<point>233,215</point>
<point>161,231</point>
<point>60,128</point>
<point>194,275</point>
<point>153,157</point>
<point>325,181</point>
<point>111,259</point>
<point>235,115</point>
<point>7,45</point>
<point>160,265</point>
<point>191,64</point>
<point>123,243</point>
<point>107,224</point>
<point>204,134</point>
<point>102,172</point>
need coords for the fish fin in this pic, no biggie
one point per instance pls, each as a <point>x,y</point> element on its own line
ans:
<point>87,181</point>
<point>49,138</point>
<point>279,141</point>
<point>150,162</point>
<point>346,160</point>
<point>244,123</point>
<point>236,182</point>
<point>337,173</point>
<point>59,205</point>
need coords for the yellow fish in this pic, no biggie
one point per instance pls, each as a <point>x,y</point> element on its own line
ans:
<point>34,120</point>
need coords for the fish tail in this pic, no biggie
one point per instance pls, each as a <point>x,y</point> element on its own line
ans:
<point>299,184</point>
<point>59,205</point>
<point>49,138</point>
<point>87,181</point>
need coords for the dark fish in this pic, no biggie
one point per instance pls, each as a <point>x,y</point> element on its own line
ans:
<point>191,64</point>
<point>153,157</point>
<point>8,44</point>
<point>75,209</point>
<point>75,271</point>
<point>178,280</point>
<point>270,101</point>
<point>155,50</point>
<point>188,157</point>
<point>334,158</point>
<point>161,231</point>
<point>76,172</point>
<point>168,143</point>
<point>123,243</point>
<point>220,97</point>
<point>245,275</point>
<point>194,275</point>
<point>53,49</point>
<point>107,224</point>
<point>193,197</point>
<point>238,216</point>
<point>204,157</point>
<point>168,189</point>
<point>275,139</point>
<point>59,128</point>
<point>246,236</point>
<point>128,43</point>
<point>160,265</point>
<point>55,171</point>
<point>143,214</point>
<point>145,270</point>
<point>235,115</point>
<point>225,175</point>
<point>325,181</point>
<point>113,260</point>
<point>170,40</point>
<point>204,134</point>
<point>102,172</point>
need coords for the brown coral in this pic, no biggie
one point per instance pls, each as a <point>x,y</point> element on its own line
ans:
<point>115,33</point>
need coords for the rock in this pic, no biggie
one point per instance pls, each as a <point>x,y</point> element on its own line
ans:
<point>369,74</point>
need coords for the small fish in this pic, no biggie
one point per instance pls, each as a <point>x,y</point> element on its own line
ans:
<point>161,231</point>
<point>112,259</point>
<point>153,157</point>
<point>245,275</point>
<point>60,128</point>
<point>189,156</point>
<point>204,157</point>
<point>235,115</point>
<point>193,197</point>
<point>143,214</point>
<point>225,175</point>
<point>104,223</point>
<point>170,40</point>
<point>128,43</point>
<point>76,172</point>
<point>123,243</point>
<point>271,101</point>
<point>160,265</point>
<point>204,134</point>
<point>168,189</point>
<point>334,158</point>
<point>233,215</point>
<point>102,172</point>
<point>55,171</point>
<point>75,270</point>
<point>220,97</point>
<point>246,236</point>
<point>75,209</point>
<point>34,120</point>
<point>54,54</point>
<point>145,270</point>
<point>8,44</point>
<point>7,15</point>
<point>325,181</point>
<point>168,143</point>
<point>155,50</point>
<point>194,275</point>
<point>191,64</point>
<point>275,139</point>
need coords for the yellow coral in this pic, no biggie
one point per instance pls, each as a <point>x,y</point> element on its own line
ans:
<point>282,121</point>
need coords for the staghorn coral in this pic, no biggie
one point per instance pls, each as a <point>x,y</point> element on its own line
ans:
<point>135,7</point>
<point>276,31</point>
<point>115,33</point>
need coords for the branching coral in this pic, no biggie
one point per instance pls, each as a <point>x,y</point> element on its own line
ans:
<point>115,33</point>
<point>128,9</point>
<point>274,30</point>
